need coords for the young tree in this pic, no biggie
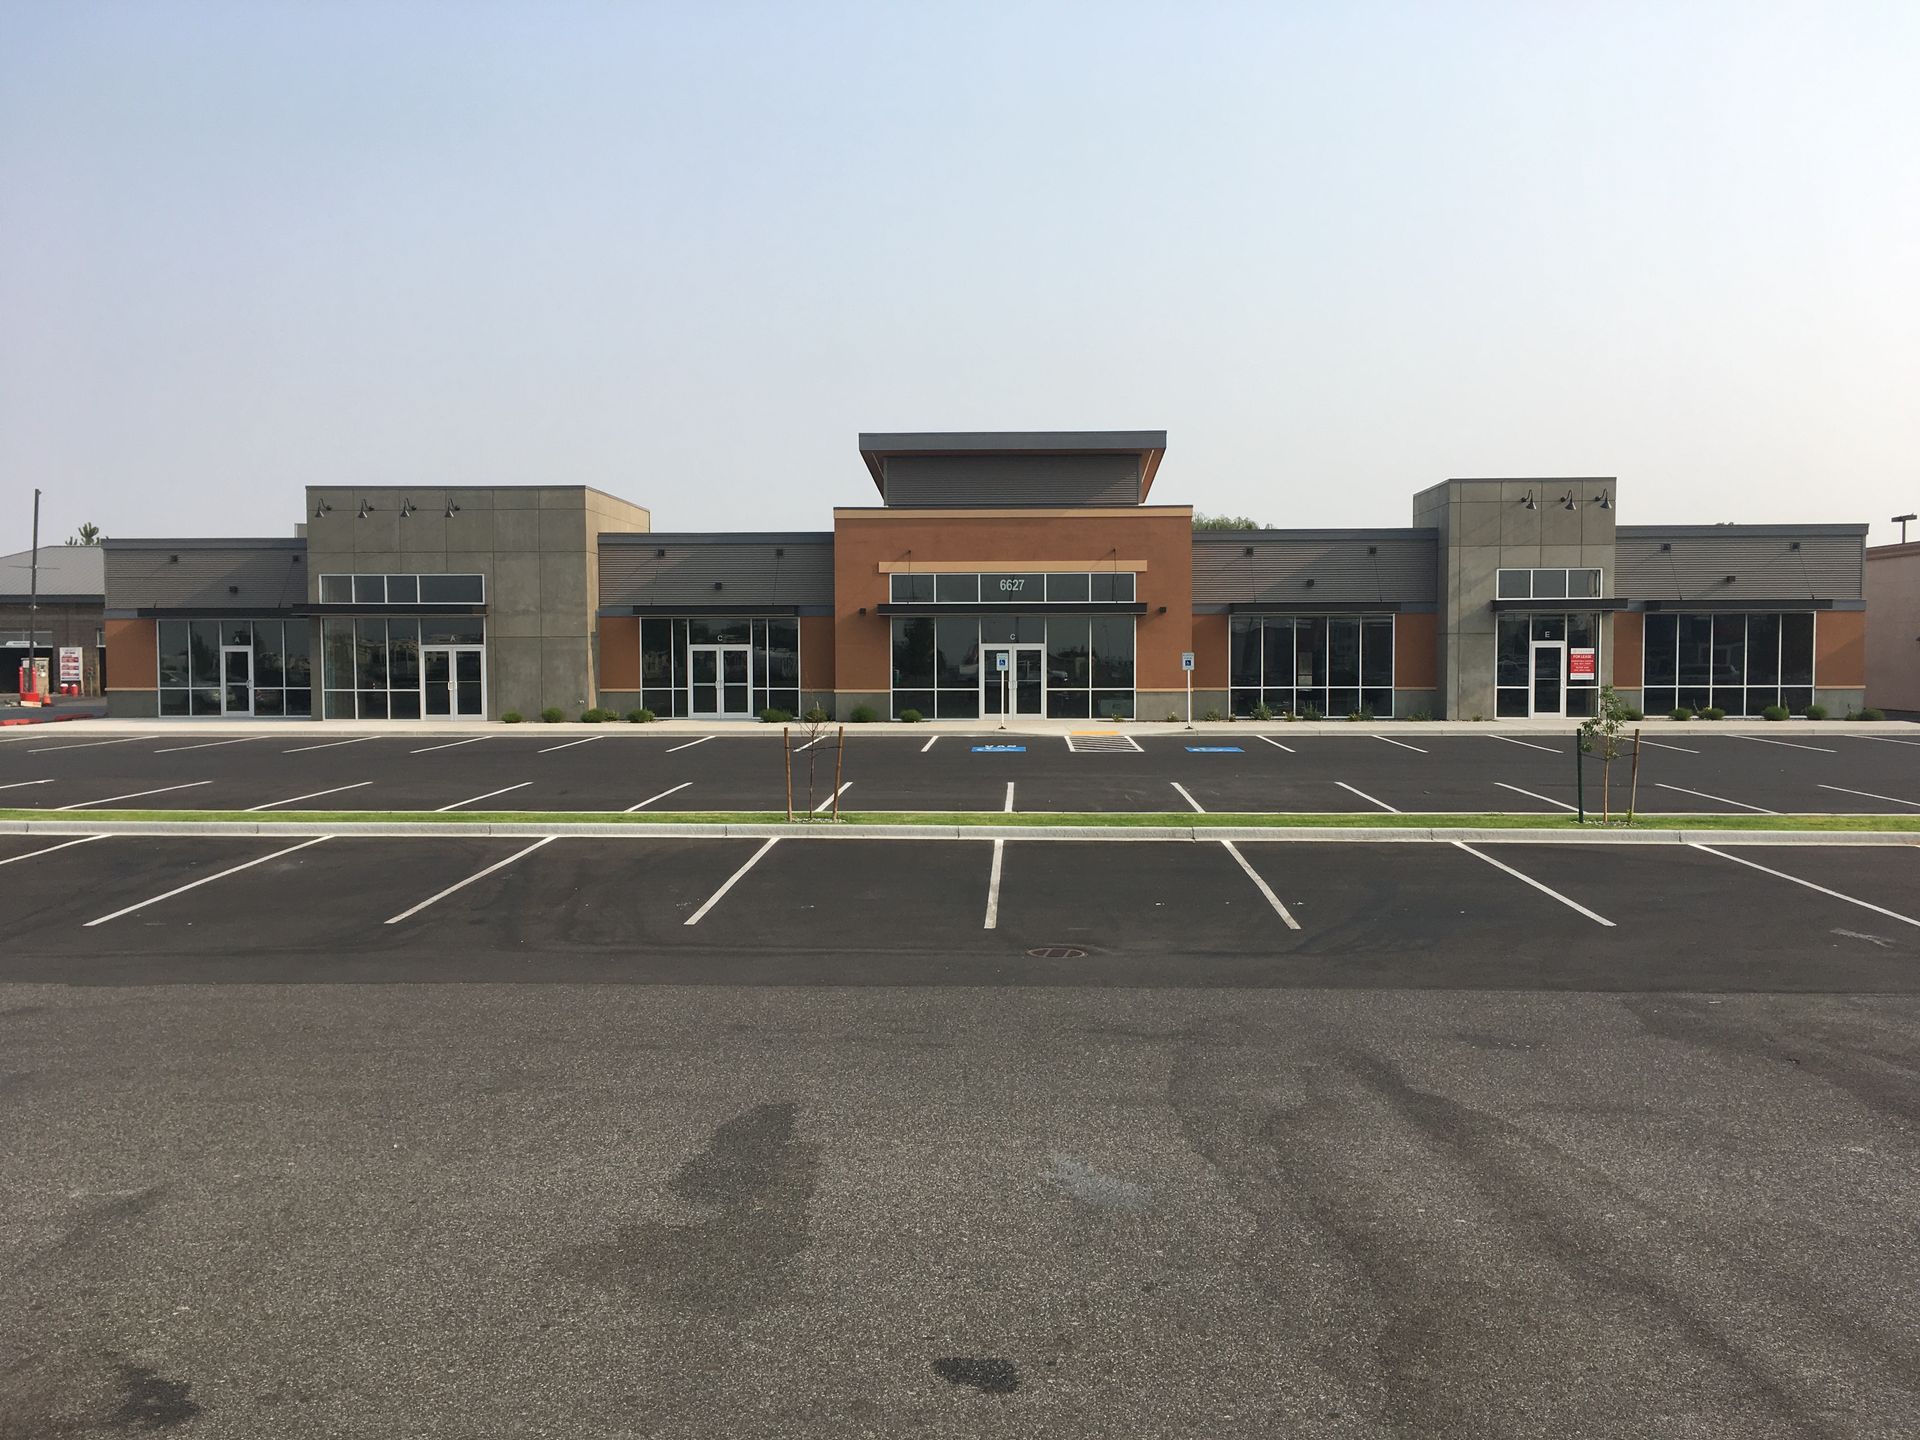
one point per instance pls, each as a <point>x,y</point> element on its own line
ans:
<point>1601,735</point>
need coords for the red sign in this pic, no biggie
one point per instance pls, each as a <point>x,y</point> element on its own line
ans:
<point>1580,665</point>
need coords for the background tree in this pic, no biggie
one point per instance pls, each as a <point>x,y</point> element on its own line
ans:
<point>89,535</point>
<point>1204,521</point>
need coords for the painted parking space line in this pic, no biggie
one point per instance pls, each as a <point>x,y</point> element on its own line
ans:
<point>1789,744</point>
<point>477,875</point>
<point>1884,739</point>
<point>1528,743</point>
<point>89,744</point>
<point>1388,740</point>
<point>1891,799</point>
<point>1663,745</point>
<point>1548,799</point>
<point>928,746</point>
<point>1198,808</point>
<point>818,809</point>
<point>1366,797</point>
<point>11,859</point>
<point>993,886</point>
<point>1264,888</point>
<point>568,745</point>
<point>1717,799</point>
<point>131,795</point>
<point>329,744</point>
<point>731,881</point>
<point>16,784</point>
<point>1783,875</point>
<point>471,799</point>
<point>661,796</point>
<point>1278,746</point>
<point>1007,808</point>
<point>472,740</point>
<point>689,745</point>
<point>208,744</point>
<point>205,880</point>
<point>823,735</point>
<point>312,795</point>
<point>1543,889</point>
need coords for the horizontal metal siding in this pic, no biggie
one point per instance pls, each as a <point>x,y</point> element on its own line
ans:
<point>1404,571</point>
<point>998,480</point>
<point>1765,567</point>
<point>749,574</point>
<point>266,578</point>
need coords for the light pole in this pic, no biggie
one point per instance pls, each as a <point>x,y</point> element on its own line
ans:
<point>1900,520</point>
<point>33,597</point>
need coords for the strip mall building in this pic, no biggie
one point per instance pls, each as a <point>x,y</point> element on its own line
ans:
<point>1036,557</point>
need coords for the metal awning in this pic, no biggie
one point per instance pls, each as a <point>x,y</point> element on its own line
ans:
<point>1064,607</point>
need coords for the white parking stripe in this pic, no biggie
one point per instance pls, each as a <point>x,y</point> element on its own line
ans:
<point>796,749</point>
<point>89,744</point>
<point>1890,799</point>
<point>570,744</point>
<point>1662,745</point>
<point>205,880</point>
<point>1198,808</point>
<point>1265,889</point>
<point>1528,743</point>
<point>313,795</point>
<point>329,744</point>
<point>51,848</point>
<point>1401,743</point>
<point>831,798</point>
<point>993,887</point>
<point>207,744</point>
<point>1717,799</point>
<point>1752,865</point>
<point>478,875</point>
<point>475,740</point>
<point>1790,744</point>
<point>928,746</point>
<point>488,796</point>
<point>1532,796</point>
<point>1884,739</point>
<point>661,796</point>
<point>131,795</point>
<point>1368,798</point>
<point>16,784</point>
<point>1277,745</point>
<point>732,880</point>
<point>1543,889</point>
<point>1008,807</point>
<point>689,745</point>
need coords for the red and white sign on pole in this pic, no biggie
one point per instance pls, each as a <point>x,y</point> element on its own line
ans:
<point>1581,665</point>
<point>72,670</point>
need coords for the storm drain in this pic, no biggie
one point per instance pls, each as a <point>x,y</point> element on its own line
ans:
<point>1057,952</point>
<point>1100,742</point>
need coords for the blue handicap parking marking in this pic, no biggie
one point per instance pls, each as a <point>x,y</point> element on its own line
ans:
<point>986,749</point>
<point>1215,750</point>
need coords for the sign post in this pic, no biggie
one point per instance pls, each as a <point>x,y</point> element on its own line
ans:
<point>1186,664</point>
<point>1000,663</point>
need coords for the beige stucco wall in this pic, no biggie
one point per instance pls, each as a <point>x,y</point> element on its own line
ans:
<point>1893,627</point>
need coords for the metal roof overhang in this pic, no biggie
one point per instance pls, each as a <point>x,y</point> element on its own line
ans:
<point>697,612</point>
<point>1322,607</point>
<point>1571,602</point>
<point>1065,607</point>
<point>1723,606</point>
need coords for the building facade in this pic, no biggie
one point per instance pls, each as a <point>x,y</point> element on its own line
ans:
<point>1893,632</point>
<point>1025,573</point>
<point>51,600</point>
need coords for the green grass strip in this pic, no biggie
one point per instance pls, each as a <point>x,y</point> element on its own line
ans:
<point>1076,819</point>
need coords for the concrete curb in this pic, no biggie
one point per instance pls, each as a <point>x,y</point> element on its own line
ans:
<point>1100,834</point>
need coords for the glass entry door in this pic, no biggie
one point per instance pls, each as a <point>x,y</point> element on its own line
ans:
<point>236,680</point>
<point>1024,684</point>
<point>720,681</point>
<point>1549,678</point>
<point>453,681</point>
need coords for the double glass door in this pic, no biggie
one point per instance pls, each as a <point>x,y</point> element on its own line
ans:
<point>453,679</point>
<point>720,681</point>
<point>1549,676</point>
<point>1022,688</point>
<point>236,680</point>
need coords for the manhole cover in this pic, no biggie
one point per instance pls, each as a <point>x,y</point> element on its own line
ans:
<point>1057,952</point>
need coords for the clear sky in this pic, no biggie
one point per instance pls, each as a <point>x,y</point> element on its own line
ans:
<point>686,252</point>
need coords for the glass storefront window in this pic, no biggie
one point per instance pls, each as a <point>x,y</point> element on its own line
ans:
<point>193,677</point>
<point>1302,664</point>
<point>1087,665</point>
<point>1740,662</point>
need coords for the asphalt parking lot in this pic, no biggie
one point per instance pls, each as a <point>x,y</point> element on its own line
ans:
<point>1686,771</point>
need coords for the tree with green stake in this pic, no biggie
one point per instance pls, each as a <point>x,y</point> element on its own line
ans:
<point>1600,735</point>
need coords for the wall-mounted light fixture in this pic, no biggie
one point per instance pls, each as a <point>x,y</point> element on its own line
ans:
<point>1373,549</point>
<point>233,589</point>
<point>173,559</point>
<point>719,585</point>
<point>322,509</point>
<point>452,509</point>
<point>779,552</point>
<point>1604,500</point>
<point>1728,579</point>
<point>1793,545</point>
<point>660,554</point>
<point>1665,547</point>
<point>1309,582</point>
<point>1246,550</point>
<point>1529,502</point>
<point>1162,610</point>
<point>406,508</point>
<point>366,509</point>
<point>863,609</point>
<point>1567,501</point>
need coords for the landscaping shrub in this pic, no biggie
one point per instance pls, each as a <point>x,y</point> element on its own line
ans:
<point>911,717</point>
<point>1172,719</point>
<point>1363,713</point>
<point>774,715</point>
<point>1262,711</point>
<point>511,717</point>
<point>553,715</point>
<point>1870,713</point>
<point>1774,712</point>
<point>1815,712</point>
<point>594,715</point>
<point>1419,715</point>
<point>1713,712</point>
<point>641,716</point>
<point>862,715</point>
<point>1679,712</point>
<point>1311,712</point>
<point>815,716</point>
<point>1213,715</point>
<point>1631,712</point>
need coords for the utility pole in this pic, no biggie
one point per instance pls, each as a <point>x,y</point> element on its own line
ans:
<point>33,594</point>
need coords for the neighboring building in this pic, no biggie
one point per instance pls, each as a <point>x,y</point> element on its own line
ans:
<point>1893,629</point>
<point>1026,570</point>
<point>71,602</point>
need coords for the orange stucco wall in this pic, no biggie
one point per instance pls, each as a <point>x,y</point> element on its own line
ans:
<point>816,652</point>
<point>620,652</point>
<point>133,654</point>
<point>1629,640</point>
<point>1416,654</point>
<point>1840,649</point>
<point>1160,535</point>
<point>1212,662</point>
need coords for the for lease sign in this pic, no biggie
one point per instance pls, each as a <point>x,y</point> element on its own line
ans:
<point>1580,664</point>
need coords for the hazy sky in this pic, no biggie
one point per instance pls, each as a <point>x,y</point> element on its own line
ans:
<point>686,252</point>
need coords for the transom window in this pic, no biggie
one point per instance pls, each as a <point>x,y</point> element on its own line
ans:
<point>999,587</point>
<point>403,589</point>
<point>1552,584</point>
